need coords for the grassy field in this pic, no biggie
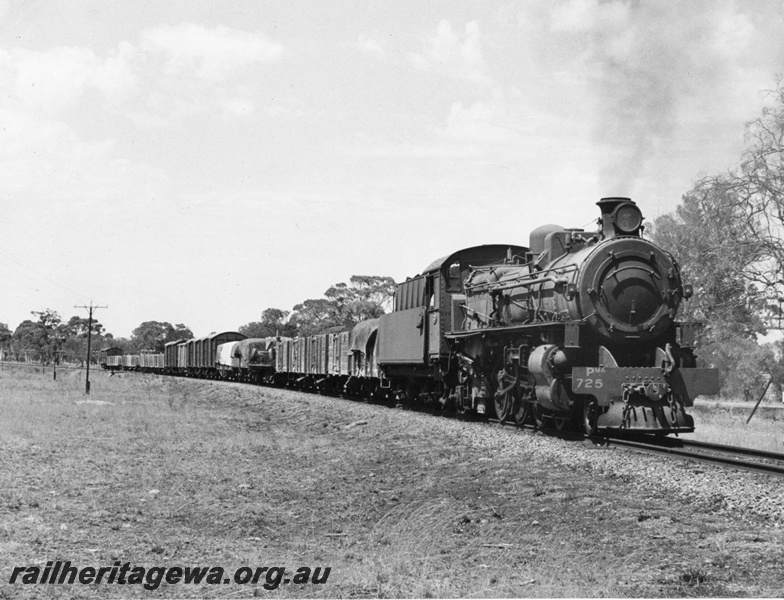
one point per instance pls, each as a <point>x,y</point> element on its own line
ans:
<point>169,472</point>
<point>721,424</point>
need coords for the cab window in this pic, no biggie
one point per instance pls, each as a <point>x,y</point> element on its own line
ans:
<point>454,279</point>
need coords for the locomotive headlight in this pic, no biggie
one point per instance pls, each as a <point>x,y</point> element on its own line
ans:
<point>627,218</point>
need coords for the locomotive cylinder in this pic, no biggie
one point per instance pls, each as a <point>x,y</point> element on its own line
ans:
<point>545,364</point>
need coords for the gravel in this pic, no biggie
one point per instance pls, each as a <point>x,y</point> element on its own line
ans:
<point>737,494</point>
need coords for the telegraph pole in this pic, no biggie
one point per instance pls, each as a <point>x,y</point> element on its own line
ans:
<point>90,308</point>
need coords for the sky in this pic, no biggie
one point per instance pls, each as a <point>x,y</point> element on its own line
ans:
<point>199,161</point>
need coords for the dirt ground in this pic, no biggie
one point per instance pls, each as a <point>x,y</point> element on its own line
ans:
<point>167,472</point>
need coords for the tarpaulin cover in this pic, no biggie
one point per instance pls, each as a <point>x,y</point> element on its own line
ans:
<point>226,352</point>
<point>361,334</point>
<point>253,350</point>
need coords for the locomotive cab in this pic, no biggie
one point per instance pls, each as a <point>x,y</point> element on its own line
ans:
<point>426,307</point>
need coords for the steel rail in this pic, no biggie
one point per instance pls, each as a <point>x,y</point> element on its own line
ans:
<point>734,449</point>
<point>728,458</point>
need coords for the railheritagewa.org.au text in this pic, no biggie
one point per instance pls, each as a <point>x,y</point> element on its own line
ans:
<point>150,578</point>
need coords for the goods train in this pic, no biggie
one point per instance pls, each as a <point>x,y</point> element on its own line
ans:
<point>576,330</point>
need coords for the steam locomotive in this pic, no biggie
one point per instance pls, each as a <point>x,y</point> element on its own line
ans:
<point>577,330</point>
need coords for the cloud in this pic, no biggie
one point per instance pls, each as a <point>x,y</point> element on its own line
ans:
<point>57,79</point>
<point>189,70</point>
<point>587,15</point>
<point>370,45</point>
<point>54,97</point>
<point>166,62</point>
<point>473,132</point>
<point>212,54</point>
<point>46,161</point>
<point>48,81</point>
<point>477,123</point>
<point>645,65</point>
<point>456,55</point>
<point>117,77</point>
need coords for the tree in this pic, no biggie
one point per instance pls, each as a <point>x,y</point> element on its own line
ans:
<point>729,236</point>
<point>123,343</point>
<point>30,340</point>
<point>154,335</point>
<point>49,337</point>
<point>179,332</point>
<point>5,338</point>
<point>71,341</point>
<point>35,339</point>
<point>273,322</point>
<point>759,186</point>
<point>77,327</point>
<point>48,318</point>
<point>365,297</point>
<point>716,254</point>
<point>754,198</point>
<point>744,367</point>
<point>314,316</point>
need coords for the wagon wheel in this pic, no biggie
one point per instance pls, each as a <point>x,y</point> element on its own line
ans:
<point>590,416</point>
<point>388,398</point>
<point>412,395</point>
<point>429,399</point>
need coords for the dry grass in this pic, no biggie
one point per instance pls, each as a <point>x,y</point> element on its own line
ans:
<point>722,423</point>
<point>159,471</point>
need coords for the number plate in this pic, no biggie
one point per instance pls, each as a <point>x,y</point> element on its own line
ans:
<point>587,379</point>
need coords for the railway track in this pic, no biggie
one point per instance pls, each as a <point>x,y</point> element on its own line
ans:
<point>747,459</point>
<point>737,457</point>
